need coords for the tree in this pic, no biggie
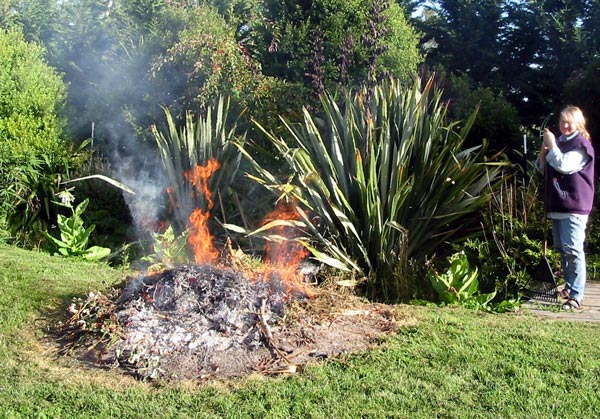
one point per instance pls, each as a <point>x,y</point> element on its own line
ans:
<point>561,51</point>
<point>582,89</point>
<point>285,40</point>
<point>105,50</point>
<point>35,18</point>
<point>463,36</point>
<point>591,25</point>
<point>525,50</point>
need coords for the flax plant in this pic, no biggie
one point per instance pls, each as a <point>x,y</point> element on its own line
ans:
<point>193,144</point>
<point>386,182</point>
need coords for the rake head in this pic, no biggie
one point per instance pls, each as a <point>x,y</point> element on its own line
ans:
<point>542,285</point>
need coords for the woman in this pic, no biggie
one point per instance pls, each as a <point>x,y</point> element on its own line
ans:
<point>569,185</point>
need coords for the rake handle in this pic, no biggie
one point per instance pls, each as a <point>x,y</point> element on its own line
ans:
<point>544,125</point>
<point>545,209</point>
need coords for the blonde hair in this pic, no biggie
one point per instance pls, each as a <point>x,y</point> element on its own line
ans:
<point>574,116</point>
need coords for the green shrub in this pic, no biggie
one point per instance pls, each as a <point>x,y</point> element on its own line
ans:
<point>33,156</point>
<point>510,245</point>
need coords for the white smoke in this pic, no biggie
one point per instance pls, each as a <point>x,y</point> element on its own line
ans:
<point>142,172</point>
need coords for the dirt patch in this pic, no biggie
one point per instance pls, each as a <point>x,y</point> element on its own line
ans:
<point>197,322</point>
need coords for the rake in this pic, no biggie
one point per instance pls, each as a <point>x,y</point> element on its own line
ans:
<point>542,284</point>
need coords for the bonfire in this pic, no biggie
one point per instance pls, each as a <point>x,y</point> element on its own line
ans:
<point>217,317</point>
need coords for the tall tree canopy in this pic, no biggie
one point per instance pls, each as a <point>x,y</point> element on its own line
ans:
<point>346,33</point>
<point>125,59</point>
<point>526,51</point>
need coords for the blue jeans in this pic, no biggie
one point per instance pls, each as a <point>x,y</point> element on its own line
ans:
<point>569,235</point>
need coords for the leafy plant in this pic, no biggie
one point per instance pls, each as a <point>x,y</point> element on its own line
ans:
<point>459,284</point>
<point>74,236</point>
<point>382,182</point>
<point>33,156</point>
<point>511,243</point>
<point>169,250</point>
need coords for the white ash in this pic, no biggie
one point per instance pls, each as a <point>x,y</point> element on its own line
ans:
<point>193,321</point>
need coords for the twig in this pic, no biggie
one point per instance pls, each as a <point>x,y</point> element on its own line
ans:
<point>267,330</point>
<point>77,313</point>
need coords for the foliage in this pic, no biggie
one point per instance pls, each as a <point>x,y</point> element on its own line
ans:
<point>284,35</point>
<point>383,182</point>
<point>564,46</point>
<point>582,88</point>
<point>105,49</point>
<point>459,284</point>
<point>497,120</point>
<point>198,141</point>
<point>168,250</point>
<point>126,61</point>
<point>33,156</point>
<point>34,17</point>
<point>400,57</point>
<point>463,36</point>
<point>32,96</point>
<point>74,236</point>
<point>206,61</point>
<point>525,49</point>
<point>511,245</point>
<point>116,55</point>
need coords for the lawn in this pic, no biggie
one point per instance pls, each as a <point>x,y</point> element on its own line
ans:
<point>445,362</point>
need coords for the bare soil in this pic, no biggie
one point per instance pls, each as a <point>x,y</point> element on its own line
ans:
<point>201,322</point>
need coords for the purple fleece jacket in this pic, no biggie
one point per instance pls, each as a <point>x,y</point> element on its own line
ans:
<point>572,193</point>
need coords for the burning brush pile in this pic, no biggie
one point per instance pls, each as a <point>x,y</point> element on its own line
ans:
<point>193,321</point>
<point>216,318</point>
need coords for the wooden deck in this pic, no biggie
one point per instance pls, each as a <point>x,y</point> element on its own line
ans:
<point>589,312</point>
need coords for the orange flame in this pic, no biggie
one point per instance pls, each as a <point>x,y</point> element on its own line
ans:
<point>288,252</point>
<point>282,258</point>
<point>200,238</point>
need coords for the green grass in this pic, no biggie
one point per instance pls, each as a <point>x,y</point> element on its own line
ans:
<point>450,363</point>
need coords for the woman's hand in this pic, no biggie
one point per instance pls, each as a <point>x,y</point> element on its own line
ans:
<point>548,144</point>
<point>549,140</point>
